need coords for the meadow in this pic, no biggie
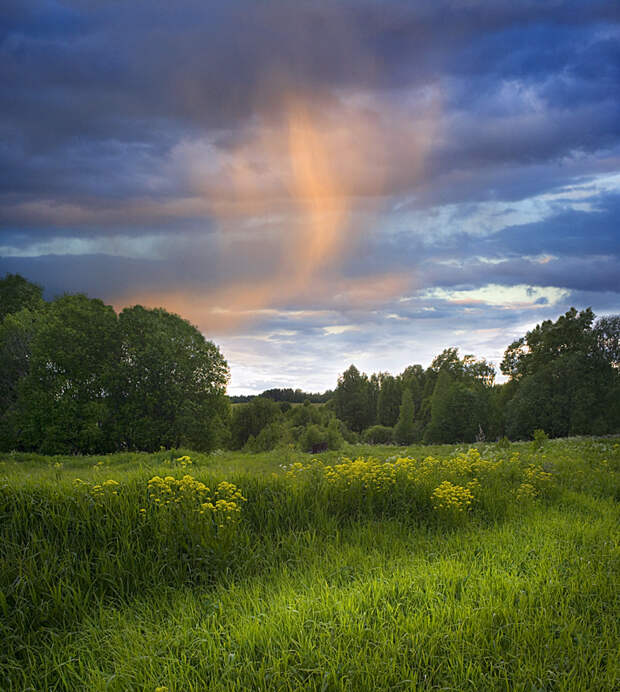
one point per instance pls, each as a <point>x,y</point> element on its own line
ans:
<point>472,567</point>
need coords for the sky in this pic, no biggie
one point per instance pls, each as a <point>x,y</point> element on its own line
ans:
<point>315,184</point>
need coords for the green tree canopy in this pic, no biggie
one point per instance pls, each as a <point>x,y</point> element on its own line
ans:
<point>458,410</point>
<point>353,401</point>
<point>566,378</point>
<point>469,367</point>
<point>16,334</point>
<point>548,341</point>
<point>405,430</point>
<point>170,382</point>
<point>249,419</point>
<point>17,293</point>
<point>63,399</point>
<point>607,337</point>
<point>389,401</point>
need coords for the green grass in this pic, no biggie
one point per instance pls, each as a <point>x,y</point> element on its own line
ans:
<point>319,587</point>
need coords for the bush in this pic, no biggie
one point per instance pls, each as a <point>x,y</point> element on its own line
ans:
<point>249,419</point>
<point>334,435</point>
<point>350,436</point>
<point>540,437</point>
<point>269,437</point>
<point>378,434</point>
<point>503,443</point>
<point>312,435</point>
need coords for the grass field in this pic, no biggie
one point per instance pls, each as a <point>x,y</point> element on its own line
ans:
<point>421,568</point>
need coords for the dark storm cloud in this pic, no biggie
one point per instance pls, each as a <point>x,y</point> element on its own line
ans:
<point>59,274</point>
<point>568,234</point>
<point>82,80</point>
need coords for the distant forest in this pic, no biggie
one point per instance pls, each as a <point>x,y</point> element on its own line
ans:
<point>292,396</point>
<point>76,377</point>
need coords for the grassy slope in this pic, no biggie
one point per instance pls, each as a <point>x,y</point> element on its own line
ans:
<point>304,599</point>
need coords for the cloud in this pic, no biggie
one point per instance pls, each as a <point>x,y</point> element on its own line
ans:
<point>282,172</point>
<point>509,297</point>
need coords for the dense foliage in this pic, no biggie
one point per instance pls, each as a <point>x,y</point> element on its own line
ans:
<point>78,378</point>
<point>567,377</point>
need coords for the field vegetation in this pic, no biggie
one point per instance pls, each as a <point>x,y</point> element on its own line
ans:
<point>470,567</point>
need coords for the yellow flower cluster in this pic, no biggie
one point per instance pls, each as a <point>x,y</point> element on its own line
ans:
<point>223,505</point>
<point>539,479</point>
<point>452,498</point>
<point>526,491</point>
<point>381,475</point>
<point>452,483</point>
<point>370,473</point>
<point>101,490</point>
<point>187,490</point>
<point>183,461</point>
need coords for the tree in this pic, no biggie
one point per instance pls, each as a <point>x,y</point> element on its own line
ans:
<point>313,435</point>
<point>458,410</point>
<point>17,293</point>
<point>414,378</point>
<point>607,337</point>
<point>388,404</point>
<point>478,370</point>
<point>378,434</point>
<point>565,377</point>
<point>449,361</point>
<point>334,436</point>
<point>170,382</point>
<point>375,382</point>
<point>571,333</point>
<point>467,368</point>
<point>440,428</point>
<point>249,419</point>
<point>268,438</point>
<point>352,400</point>
<point>63,402</point>
<point>306,414</point>
<point>405,430</point>
<point>16,334</point>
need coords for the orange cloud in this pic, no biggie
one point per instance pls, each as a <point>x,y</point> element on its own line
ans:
<point>308,165</point>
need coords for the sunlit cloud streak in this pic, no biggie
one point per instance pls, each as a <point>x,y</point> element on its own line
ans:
<point>308,166</point>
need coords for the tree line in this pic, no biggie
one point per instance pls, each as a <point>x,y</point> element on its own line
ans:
<point>563,377</point>
<point>76,377</point>
<point>291,396</point>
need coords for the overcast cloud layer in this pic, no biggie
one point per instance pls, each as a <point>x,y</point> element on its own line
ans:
<point>317,183</point>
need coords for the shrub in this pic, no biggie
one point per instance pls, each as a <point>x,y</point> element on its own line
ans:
<point>378,434</point>
<point>312,435</point>
<point>540,438</point>
<point>334,436</point>
<point>351,437</point>
<point>268,438</point>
